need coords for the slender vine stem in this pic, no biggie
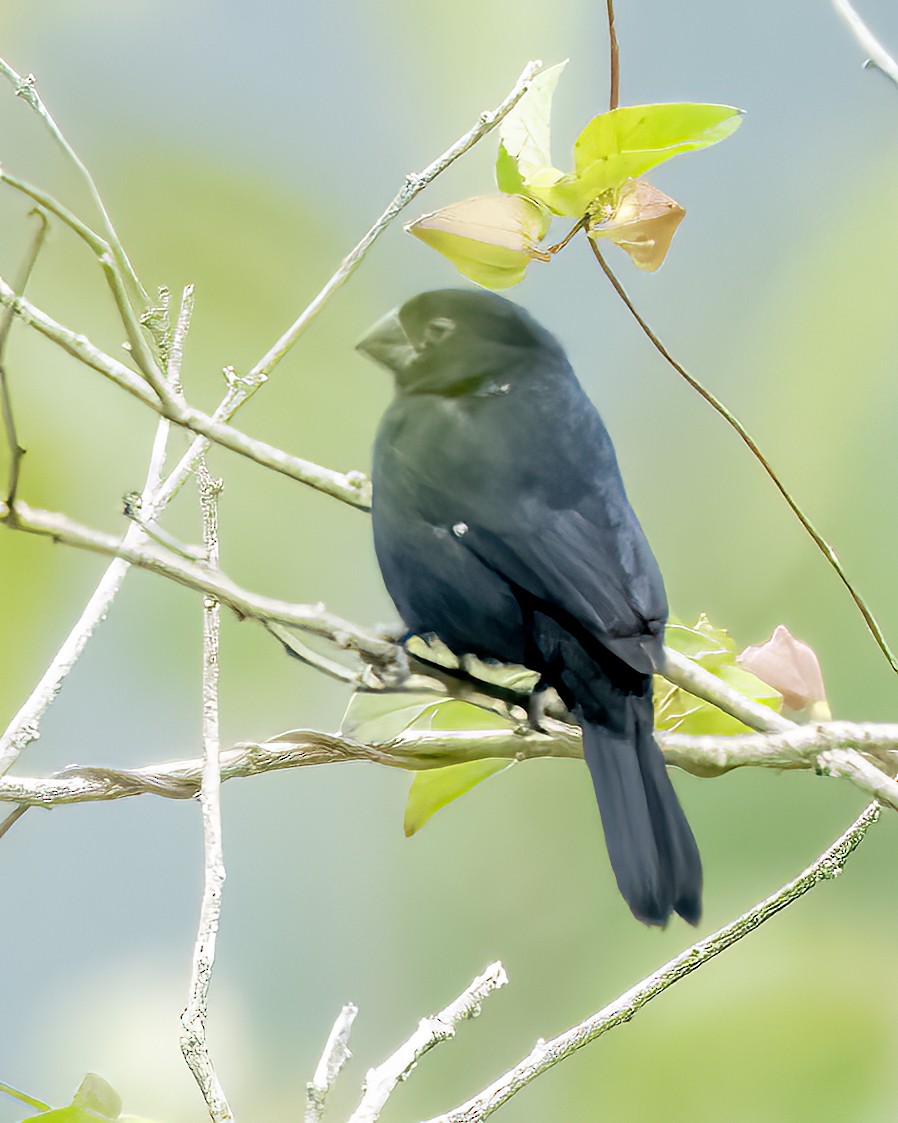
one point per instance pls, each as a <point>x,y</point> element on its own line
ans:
<point>16,452</point>
<point>716,404</point>
<point>614,96</point>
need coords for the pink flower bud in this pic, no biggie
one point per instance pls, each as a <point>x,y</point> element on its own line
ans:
<point>792,668</point>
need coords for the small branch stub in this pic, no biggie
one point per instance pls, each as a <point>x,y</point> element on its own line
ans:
<point>431,1031</point>
<point>336,1054</point>
<point>193,1019</point>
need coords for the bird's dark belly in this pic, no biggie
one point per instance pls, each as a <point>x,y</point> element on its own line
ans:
<point>438,586</point>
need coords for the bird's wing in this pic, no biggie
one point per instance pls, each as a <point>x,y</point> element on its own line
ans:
<point>598,571</point>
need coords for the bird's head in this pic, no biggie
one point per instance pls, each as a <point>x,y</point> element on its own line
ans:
<point>452,341</point>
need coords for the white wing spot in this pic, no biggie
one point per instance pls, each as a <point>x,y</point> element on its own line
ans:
<point>459,529</point>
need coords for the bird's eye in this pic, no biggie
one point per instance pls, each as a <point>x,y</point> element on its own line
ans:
<point>438,330</point>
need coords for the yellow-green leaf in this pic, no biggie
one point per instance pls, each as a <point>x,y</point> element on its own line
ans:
<point>436,787</point>
<point>626,143</point>
<point>375,717</point>
<point>491,238</point>
<point>508,178</point>
<point>703,642</point>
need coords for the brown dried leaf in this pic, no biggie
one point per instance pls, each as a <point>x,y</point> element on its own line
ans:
<point>641,220</point>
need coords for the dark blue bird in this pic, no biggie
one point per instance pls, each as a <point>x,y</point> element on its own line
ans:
<point>501,524</point>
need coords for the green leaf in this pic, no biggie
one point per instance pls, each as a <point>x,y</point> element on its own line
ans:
<point>95,1100</point>
<point>23,1097</point>
<point>493,268</point>
<point>71,1114</point>
<point>713,648</point>
<point>436,787</point>
<point>508,178</point>
<point>375,717</point>
<point>705,644</point>
<point>525,134</point>
<point>626,143</point>
<point>491,238</point>
<point>651,134</point>
<point>96,1094</point>
<point>454,713</point>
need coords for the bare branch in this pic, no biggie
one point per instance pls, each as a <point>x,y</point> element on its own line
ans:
<point>25,726</point>
<point>201,577</point>
<point>413,186</point>
<point>336,1054</point>
<point>381,1081</point>
<point>878,56</point>
<point>26,88</point>
<point>16,452</point>
<point>693,678</point>
<point>547,1054</point>
<point>193,1019</point>
<point>52,206</point>
<point>305,654</point>
<point>870,758</point>
<point>179,338</point>
<point>79,347</point>
<point>242,388</point>
<point>352,488</point>
<point>862,773</point>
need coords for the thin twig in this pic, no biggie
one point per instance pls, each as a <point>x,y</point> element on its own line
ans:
<point>692,677</point>
<point>53,206</point>
<point>559,246</point>
<point>13,817</point>
<point>864,753</point>
<point>381,1081</point>
<point>865,775</point>
<point>175,359</point>
<point>79,347</point>
<point>546,1054</point>
<point>137,342</point>
<point>193,1019</point>
<point>16,452</point>
<point>352,488</point>
<point>298,650</point>
<point>158,534</point>
<point>242,388</point>
<point>336,1054</point>
<point>716,404</point>
<point>878,56</point>
<point>614,97</point>
<point>26,88</point>
<point>25,726</point>
<point>413,186</point>
<point>199,576</point>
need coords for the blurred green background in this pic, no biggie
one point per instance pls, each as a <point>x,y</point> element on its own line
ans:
<point>246,148</point>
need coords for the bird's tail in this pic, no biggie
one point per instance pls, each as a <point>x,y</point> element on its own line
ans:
<point>653,852</point>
